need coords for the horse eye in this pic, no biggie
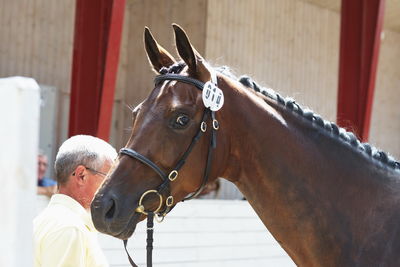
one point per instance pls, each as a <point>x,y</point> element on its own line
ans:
<point>182,121</point>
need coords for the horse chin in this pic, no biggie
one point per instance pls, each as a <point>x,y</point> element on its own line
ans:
<point>129,228</point>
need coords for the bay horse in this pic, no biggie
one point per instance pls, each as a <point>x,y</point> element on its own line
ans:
<point>327,198</point>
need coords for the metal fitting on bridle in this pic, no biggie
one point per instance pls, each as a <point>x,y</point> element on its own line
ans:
<point>173,175</point>
<point>141,209</point>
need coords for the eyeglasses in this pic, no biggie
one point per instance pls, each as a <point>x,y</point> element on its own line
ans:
<point>97,172</point>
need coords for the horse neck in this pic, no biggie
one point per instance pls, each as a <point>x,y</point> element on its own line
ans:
<point>293,182</point>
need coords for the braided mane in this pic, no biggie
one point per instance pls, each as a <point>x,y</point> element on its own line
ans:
<point>329,127</point>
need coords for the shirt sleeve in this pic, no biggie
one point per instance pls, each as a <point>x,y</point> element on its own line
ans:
<point>64,248</point>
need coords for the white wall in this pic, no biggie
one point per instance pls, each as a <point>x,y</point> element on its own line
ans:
<point>19,109</point>
<point>198,233</point>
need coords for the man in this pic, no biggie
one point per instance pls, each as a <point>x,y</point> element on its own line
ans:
<point>45,186</point>
<point>64,234</point>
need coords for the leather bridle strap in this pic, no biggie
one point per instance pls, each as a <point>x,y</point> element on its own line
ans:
<point>208,167</point>
<point>168,178</point>
<point>127,253</point>
<point>132,153</point>
<point>185,155</point>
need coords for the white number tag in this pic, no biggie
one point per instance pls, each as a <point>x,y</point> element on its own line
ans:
<point>213,97</point>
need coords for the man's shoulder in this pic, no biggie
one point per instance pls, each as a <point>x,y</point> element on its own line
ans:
<point>53,219</point>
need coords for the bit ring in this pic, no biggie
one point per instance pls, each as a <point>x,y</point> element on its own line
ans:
<point>140,208</point>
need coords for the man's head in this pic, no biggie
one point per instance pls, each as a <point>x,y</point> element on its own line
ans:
<point>80,167</point>
<point>42,164</point>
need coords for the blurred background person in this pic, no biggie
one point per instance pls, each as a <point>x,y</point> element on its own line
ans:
<point>45,185</point>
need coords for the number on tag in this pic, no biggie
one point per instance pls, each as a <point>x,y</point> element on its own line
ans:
<point>213,97</point>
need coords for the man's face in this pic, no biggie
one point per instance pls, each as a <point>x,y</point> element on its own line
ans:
<point>42,166</point>
<point>96,179</point>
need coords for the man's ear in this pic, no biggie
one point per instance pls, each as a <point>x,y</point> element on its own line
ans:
<point>79,174</point>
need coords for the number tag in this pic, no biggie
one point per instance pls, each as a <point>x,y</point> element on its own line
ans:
<point>213,97</point>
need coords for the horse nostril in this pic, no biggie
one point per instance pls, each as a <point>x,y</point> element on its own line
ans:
<point>111,209</point>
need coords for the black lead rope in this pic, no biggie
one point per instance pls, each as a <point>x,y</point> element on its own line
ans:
<point>149,247</point>
<point>150,231</point>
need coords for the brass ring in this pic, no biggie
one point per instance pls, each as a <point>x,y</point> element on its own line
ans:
<point>173,175</point>
<point>140,207</point>
<point>203,126</point>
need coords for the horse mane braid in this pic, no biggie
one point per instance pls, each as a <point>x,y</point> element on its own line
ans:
<point>329,127</point>
<point>174,69</point>
<point>290,104</point>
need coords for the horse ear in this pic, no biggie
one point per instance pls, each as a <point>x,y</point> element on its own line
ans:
<point>184,47</point>
<point>192,58</point>
<point>157,55</point>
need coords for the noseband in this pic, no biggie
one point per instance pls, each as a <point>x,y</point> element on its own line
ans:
<point>164,188</point>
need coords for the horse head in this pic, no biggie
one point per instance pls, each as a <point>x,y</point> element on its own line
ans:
<point>167,156</point>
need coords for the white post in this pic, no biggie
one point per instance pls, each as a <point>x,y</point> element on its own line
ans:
<point>19,135</point>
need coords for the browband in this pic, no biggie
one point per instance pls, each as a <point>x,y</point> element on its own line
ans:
<point>178,77</point>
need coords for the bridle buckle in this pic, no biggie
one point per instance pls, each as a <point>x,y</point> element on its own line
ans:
<point>169,201</point>
<point>203,126</point>
<point>215,124</point>
<point>173,175</point>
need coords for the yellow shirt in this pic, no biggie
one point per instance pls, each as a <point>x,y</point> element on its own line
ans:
<point>64,235</point>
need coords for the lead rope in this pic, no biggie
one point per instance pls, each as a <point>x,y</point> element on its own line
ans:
<point>150,230</point>
<point>149,247</point>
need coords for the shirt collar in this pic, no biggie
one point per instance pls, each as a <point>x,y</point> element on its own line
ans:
<point>77,208</point>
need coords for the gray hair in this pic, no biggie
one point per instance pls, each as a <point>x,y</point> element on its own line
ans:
<point>41,153</point>
<point>92,152</point>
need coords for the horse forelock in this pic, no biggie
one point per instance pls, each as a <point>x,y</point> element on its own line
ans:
<point>173,69</point>
<point>167,88</point>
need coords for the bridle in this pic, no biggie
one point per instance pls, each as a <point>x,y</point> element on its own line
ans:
<point>173,174</point>
<point>164,188</point>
